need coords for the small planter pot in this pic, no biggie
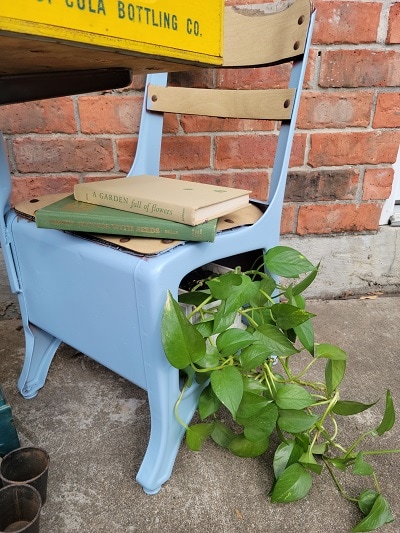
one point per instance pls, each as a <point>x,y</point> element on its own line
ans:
<point>20,507</point>
<point>28,466</point>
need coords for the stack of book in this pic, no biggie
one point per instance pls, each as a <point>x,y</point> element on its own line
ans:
<point>144,206</point>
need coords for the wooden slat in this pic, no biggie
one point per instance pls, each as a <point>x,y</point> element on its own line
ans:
<point>274,104</point>
<point>256,38</point>
<point>23,55</point>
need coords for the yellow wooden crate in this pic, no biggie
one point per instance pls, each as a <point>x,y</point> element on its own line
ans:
<point>186,30</point>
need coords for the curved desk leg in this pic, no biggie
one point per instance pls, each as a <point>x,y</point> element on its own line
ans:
<point>40,348</point>
<point>166,432</point>
<point>162,385</point>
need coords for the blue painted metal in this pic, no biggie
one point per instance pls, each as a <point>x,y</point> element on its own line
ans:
<point>108,304</point>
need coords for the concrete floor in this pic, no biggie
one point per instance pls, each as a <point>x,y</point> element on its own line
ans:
<point>95,427</point>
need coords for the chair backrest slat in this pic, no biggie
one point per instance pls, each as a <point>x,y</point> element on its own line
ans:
<point>257,38</point>
<point>222,103</point>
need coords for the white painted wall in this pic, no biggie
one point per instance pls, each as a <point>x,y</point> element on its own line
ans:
<point>388,207</point>
<point>352,264</point>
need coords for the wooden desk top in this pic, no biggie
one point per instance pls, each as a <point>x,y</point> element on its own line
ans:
<point>24,55</point>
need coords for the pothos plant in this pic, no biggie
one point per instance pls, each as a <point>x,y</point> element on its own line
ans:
<point>250,369</point>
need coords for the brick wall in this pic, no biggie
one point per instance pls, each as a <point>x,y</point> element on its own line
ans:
<point>347,137</point>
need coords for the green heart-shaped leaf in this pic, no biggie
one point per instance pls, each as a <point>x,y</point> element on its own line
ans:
<point>227,385</point>
<point>362,468</point>
<point>208,403</point>
<point>379,515</point>
<point>330,351</point>
<point>388,417</point>
<point>287,453</point>
<point>292,485</point>
<point>229,342</point>
<point>334,373</point>
<point>243,447</point>
<point>347,407</point>
<point>222,435</point>
<point>305,333</point>
<point>197,434</point>
<point>294,421</point>
<point>287,262</point>
<point>293,397</point>
<point>275,342</point>
<point>182,343</point>
<point>289,316</point>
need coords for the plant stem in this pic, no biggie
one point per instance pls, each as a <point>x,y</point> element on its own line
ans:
<point>270,379</point>
<point>176,408</point>
<point>306,369</point>
<point>376,483</point>
<point>380,452</point>
<point>199,307</point>
<point>336,481</point>
<point>268,297</point>
<point>285,366</point>
<point>357,442</point>
<point>246,313</point>
<point>228,361</point>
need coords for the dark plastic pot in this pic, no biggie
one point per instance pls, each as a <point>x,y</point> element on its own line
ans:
<point>20,507</point>
<point>28,466</point>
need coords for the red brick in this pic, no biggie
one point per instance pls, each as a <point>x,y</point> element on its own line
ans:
<point>25,188</point>
<point>44,116</point>
<point>360,68</point>
<point>126,149</point>
<point>110,114</point>
<point>338,218</point>
<point>338,109</point>
<point>393,36</point>
<point>322,185</point>
<point>346,22</point>
<point>257,182</point>
<point>170,124</point>
<point>387,112</point>
<point>353,148</point>
<point>298,153</point>
<point>254,151</point>
<point>244,151</point>
<point>185,152</point>
<point>225,179</point>
<point>377,183</point>
<point>67,154</point>
<point>250,78</point>
<point>312,65</point>
<point>288,219</point>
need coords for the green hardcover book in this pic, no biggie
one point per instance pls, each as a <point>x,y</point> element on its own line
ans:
<point>73,215</point>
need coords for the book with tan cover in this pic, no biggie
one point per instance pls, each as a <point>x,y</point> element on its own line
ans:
<point>171,199</point>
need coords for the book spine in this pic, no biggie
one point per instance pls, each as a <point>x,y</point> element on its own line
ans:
<point>93,194</point>
<point>158,229</point>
